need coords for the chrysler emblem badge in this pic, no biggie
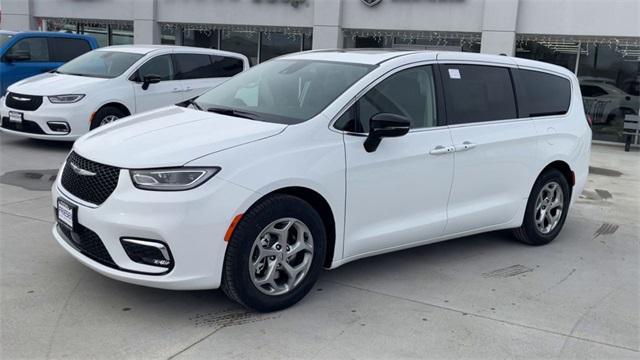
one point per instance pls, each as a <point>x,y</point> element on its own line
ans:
<point>80,171</point>
<point>371,3</point>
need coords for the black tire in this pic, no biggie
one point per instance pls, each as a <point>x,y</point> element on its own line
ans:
<point>236,278</point>
<point>529,233</point>
<point>104,112</point>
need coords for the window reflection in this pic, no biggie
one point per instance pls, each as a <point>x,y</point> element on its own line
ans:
<point>244,42</point>
<point>201,38</point>
<point>276,44</point>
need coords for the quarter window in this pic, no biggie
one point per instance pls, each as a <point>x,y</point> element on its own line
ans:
<point>224,66</point>
<point>159,65</point>
<point>192,66</point>
<point>64,49</point>
<point>37,48</point>
<point>477,93</point>
<point>542,94</point>
<point>410,93</point>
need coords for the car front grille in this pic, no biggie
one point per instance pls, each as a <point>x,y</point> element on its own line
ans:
<point>88,180</point>
<point>23,102</point>
<point>26,126</point>
<point>88,243</point>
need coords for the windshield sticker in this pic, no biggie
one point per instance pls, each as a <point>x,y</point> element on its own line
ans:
<point>454,74</point>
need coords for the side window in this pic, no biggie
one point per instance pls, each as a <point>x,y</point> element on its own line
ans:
<point>37,48</point>
<point>410,93</point>
<point>159,65</point>
<point>542,94</point>
<point>476,93</point>
<point>592,91</point>
<point>64,49</point>
<point>224,66</point>
<point>192,66</point>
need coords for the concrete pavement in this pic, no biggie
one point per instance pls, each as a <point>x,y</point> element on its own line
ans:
<point>484,296</point>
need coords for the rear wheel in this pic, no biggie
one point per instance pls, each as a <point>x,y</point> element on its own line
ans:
<point>106,115</point>
<point>546,209</point>
<point>275,254</point>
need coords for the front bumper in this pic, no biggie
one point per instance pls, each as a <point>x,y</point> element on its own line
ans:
<point>191,223</point>
<point>37,124</point>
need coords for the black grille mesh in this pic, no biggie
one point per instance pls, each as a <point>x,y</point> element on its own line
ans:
<point>23,102</point>
<point>26,126</point>
<point>94,189</point>
<point>89,243</point>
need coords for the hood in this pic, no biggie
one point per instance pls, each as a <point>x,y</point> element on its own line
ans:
<point>170,136</point>
<point>54,84</point>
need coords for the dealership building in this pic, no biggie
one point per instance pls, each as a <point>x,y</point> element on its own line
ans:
<point>599,40</point>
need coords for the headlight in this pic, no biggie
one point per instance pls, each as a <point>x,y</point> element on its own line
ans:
<point>65,99</point>
<point>172,179</point>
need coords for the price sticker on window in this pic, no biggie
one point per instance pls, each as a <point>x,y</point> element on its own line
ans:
<point>454,74</point>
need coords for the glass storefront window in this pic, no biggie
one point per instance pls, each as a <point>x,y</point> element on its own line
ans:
<point>100,32</point>
<point>201,38</point>
<point>276,44</point>
<point>168,36</point>
<point>414,40</point>
<point>121,35</point>
<point>244,42</point>
<point>307,42</point>
<point>609,76</point>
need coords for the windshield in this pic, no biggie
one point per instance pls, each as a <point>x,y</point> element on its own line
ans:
<point>102,64</point>
<point>283,91</point>
<point>4,38</point>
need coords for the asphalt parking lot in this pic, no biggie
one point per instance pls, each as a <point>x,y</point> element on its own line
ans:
<point>484,296</point>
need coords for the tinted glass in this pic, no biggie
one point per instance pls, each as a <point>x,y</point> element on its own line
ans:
<point>224,66</point>
<point>276,44</point>
<point>63,50</point>
<point>592,91</point>
<point>542,94</point>
<point>104,64</point>
<point>192,66</point>
<point>410,93</point>
<point>159,65</point>
<point>245,43</point>
<point>37,48</point>
<point>285,91</point>
<point>4,38</point>
<point>475,93</point>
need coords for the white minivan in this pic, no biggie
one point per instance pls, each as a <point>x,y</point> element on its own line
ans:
<point>321,158</point>
<point>110,83</point>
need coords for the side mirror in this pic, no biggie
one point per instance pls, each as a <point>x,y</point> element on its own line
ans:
<point>150,79</point>
<point>384,125</point>
<point>17,56</point>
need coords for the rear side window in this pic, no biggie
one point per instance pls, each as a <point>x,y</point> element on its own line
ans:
<point>224,66</point>
<point>542,94</point>
<point>63,49</point>
<point>476,93</point>
<point>192,66</point>
<point>37,48</point>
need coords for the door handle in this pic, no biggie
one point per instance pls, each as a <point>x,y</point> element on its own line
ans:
<point>465,146</point>
<point>440,150</point>
<point>176,90</point>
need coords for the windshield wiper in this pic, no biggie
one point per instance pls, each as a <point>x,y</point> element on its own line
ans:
<point>233,112</point>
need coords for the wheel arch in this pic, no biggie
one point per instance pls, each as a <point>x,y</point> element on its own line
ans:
<point>118,105</point>
<point>564,168</point>
<point>321,205</point>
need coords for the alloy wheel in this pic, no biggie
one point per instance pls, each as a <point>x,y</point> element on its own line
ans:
<point>549,207</point>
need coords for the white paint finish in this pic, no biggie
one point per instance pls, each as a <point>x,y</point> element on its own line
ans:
<point>586,17</point>
<point>100,91</point>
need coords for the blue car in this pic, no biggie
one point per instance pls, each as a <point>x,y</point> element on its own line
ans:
<point>25,54</point>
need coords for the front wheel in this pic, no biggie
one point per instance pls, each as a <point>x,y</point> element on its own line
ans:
<point>106,115</point>
<point>547,209</point>
<point>275,254</point>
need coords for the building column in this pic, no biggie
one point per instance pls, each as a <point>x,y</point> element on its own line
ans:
<point>145,25</point>
<point>327,32</point>
<point>16,15</point>
<point>499,27</point>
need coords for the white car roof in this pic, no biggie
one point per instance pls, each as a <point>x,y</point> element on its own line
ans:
<point>146,49</point>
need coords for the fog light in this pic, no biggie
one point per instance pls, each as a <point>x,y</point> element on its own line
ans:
<point>59,126</point>
<point>148,252</point>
